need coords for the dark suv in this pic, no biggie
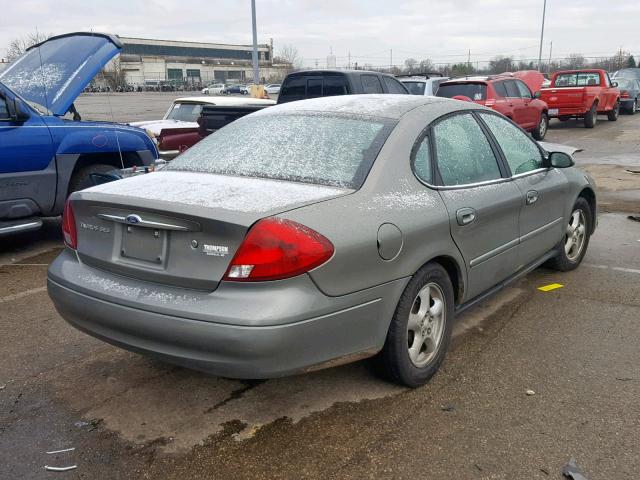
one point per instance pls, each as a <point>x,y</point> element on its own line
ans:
<point>327,83</point>
<point>506,94</point>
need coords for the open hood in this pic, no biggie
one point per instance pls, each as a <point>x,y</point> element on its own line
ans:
<point>53,73</point>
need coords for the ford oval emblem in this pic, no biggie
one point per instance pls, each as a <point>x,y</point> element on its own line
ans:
<point>133,219</point>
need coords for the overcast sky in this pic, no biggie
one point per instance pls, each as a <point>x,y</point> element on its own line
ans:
<point>440,30</point>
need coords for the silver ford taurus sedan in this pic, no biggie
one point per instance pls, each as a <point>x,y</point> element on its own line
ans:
<point>321,232</point>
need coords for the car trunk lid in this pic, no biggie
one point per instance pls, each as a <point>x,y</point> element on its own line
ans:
<point>180,228</point>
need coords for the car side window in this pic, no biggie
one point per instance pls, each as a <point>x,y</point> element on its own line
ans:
<point>422,161</point>
<point>521,153</point>
<point>336,85</point>
<point>464,155</point>
<point>4,111</point>
<point>393,85</point>
<point>512,90</point>
<point>371,84</point>
<point>524,90</point>
<point>500,89</point>
<point>314,87</point>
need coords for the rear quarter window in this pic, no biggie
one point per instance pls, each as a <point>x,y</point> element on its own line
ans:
<point>394,86</point>
<point>294,88</point>
<point>371,84</point>
<point>500,89</point>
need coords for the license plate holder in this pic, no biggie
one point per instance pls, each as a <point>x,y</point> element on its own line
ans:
<point>553,112</point>
<point>144,244</point>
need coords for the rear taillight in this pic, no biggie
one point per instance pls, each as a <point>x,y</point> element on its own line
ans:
<point>624,94</point>
<point>275,249</point>
<point>69,226</point>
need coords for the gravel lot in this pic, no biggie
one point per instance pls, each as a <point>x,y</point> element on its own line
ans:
<point>131,417</point>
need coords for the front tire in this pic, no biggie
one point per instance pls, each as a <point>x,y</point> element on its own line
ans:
<point>541,130</point>
<point>420,331</point>
<point>613,115</point>
<point>574,243</point>
<point>82,178</point>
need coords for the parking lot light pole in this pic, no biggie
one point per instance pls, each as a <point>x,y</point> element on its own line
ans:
<point>544,11</point>
<point>256,73</point>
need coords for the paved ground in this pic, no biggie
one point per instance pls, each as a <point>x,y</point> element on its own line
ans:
<point>130,417</point>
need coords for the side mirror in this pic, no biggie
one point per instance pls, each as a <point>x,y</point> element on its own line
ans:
<point>18,111</point>
<point>560,160</point>
<point>538,94</point>
<point>614,84</point>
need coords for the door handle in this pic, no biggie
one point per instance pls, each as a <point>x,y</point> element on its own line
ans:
<point>532,197</point>
<point>465,216</point>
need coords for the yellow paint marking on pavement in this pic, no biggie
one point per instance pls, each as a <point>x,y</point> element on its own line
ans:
<point>26,293</point>
<point>552,286</point>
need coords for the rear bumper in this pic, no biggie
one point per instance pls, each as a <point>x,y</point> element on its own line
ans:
<point>566,112</point>
<point>627,103</point>
<point>263,350</point>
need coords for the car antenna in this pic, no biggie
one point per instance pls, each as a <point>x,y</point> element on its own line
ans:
<point>44,80</point>
<point>113,121</point>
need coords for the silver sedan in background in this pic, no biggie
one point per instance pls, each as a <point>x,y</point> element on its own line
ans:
<point>321,232</point>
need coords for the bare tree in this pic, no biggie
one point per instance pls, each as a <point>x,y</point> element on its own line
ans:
<point>18,46</point>
<point>500,64</point>
<point>290,55</point>
<point>426,65</point>
<point>575,61</point>
<point>114,74</point>
<point>410,65</point>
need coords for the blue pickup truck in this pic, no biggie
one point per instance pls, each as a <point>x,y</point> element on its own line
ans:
<point>46,150</point>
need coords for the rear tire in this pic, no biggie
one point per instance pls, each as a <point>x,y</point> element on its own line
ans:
<point>591,117</point>
<point>541,130</point>
<point>82,178</point>
<point>420,331</point>
<point>573,245</point>
<point>613,115</point>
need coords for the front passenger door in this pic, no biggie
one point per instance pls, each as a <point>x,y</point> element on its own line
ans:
<point>544,189</point>
<point>483,207</point>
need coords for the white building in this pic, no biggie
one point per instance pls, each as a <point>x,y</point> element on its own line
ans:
<point>151,62</point>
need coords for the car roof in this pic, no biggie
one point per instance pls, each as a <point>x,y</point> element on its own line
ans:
<point>336,72</point>
<point>226,101</point>
<point>376,105</point>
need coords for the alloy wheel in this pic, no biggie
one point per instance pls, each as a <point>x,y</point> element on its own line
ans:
<point>426,324</point>
<point>575,235</point>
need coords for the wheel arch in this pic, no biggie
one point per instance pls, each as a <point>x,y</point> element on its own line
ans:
<point>455,273</point>
<point>589,195</point>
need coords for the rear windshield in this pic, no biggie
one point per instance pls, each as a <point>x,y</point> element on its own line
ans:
<point>185,112</point>
<point>334,150</point>
<point>302,87</point>
<point>415,88</point>
<point>581,79</point>
<point>475,91</point>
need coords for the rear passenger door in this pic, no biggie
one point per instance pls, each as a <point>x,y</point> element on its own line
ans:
<point>483,206</point>
<point>529,111</point>
<point>544,190</point>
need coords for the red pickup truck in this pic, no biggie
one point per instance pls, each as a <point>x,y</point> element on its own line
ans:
<point>582,94</point>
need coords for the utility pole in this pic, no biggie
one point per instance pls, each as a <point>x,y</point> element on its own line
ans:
<point>469,62</point>
<point>349,62</point>
<point>544,12</point>
<point>256,71</point>
<point>550,52</point>
<point>390,60</point>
